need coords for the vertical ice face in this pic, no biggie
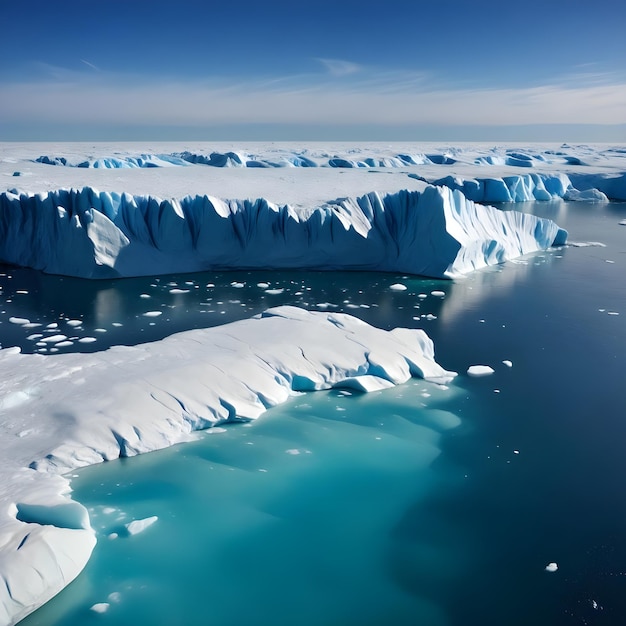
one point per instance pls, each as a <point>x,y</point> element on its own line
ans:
<point>437,232</point>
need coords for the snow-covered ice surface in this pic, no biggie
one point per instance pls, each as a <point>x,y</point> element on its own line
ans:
<point>360,206</point>
<point>92,222</point>
<point>83,409</point>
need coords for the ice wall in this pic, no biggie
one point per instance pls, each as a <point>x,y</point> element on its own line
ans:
<point>72,410</point>
<point>92,234</point>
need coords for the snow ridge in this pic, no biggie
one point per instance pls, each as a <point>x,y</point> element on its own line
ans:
<point>92,234</point>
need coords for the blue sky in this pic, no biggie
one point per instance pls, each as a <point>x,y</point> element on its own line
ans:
<point>341,69</point>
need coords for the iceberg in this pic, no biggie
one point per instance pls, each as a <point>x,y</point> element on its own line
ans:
<point>436,232</point>
<point>129,400</point>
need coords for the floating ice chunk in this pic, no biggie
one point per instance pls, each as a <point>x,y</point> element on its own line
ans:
<point>237,285</point>
<point>64,344</point>
<point>19,320</point>
<point>152,313</point>
<point>74,322</point>
<point>54,338</point>
<point>87,340</point>
<point>612,313</point>
<point>508,363</point>
<point>552,567</point>
<point>293,451</point>
<point>438,294</point>
<point>179,291</point>
<point>263,285</point>
<point>622,223</point>
<point>145,295</point>
<point>586,244</point>
<point>588,195</point>
<point>115,596</point>
<point>274,292</point>
<point>479,370</point>
<point>33,337</point>
<point>398,287</point>
<point>100,607</point>
<point>139,525</point>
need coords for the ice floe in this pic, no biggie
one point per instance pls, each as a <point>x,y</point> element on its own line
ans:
<point>141,398</point>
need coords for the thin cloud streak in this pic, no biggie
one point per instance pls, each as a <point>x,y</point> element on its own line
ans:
<point>102,99</point>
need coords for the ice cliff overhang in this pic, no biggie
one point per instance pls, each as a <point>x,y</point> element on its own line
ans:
<point>437,232</point>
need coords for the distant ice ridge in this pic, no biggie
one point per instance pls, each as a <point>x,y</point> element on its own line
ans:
<point>87,408</point>
<point>352,158</point>
<point>92,234</point>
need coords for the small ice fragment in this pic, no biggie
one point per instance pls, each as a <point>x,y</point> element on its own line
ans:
<point>508,363</point>
<point>54,338</point>
<point>33,337</point>
<point>515,451</point>
<point>179,291</point>
<point>87,340</point>
<point>115,596</point>
<point>19,320</point>
<point>274,292</point>
<point>145,295</point>
<point>139,525</point>
<point>438,294</point>
<point>422,296</point>
<point>117,324</point>
<point>479,370</point>
<point>152,313</point>
<point>612,313</point>
<point>398,287</point>
<point>112,536</point>
<point>552,567</point>
<point>21,291</point>
<point>209,285</point>
<point>293,451</point>
<point>430,316</point>
<point>31,325</point>
<point>52,325</point>
<point>64,344</point>
<point>237,285</point>
<point>100,607</point>
<point>74,322</point>
<point>622,223</point>
<point>107,510</point>
<point>263,285</point>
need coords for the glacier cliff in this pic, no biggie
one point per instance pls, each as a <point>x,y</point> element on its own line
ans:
<point>437,232</point>
<point>128,400</point>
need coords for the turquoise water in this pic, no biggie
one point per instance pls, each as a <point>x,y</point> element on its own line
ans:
<point>416,505</point>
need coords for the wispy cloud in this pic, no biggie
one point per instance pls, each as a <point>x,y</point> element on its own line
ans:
<point>381,98</point>
<point>91,65</point>
<point>340,67</point>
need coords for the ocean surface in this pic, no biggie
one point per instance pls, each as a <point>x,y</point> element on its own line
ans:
<point>416,505</point>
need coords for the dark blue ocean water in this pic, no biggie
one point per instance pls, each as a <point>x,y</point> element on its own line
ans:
<point>416,505</point>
